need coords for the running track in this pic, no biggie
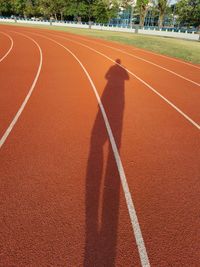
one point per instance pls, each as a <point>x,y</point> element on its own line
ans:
<point>78,119</point>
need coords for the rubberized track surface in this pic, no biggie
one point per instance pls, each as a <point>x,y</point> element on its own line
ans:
<point>62,202</point>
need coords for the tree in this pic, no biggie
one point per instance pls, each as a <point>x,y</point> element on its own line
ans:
<point>29,9</point>
<point>104,10</point>
<point>129,4</point>
<point>58,7</point>
<point>45,8</point>
<point>87,10</point>
<point>89,4</point>
<point>188,12</point>
<point>142,6</point>
<point>77,9</point>
<point>18,6</point>
<point>5,7</point>
<point>162,6</point>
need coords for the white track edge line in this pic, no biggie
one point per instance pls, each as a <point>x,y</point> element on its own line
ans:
<point>142,81</point>
<point>168,57</point>
<point>11,47</point>
<point>132,212</point>
<point>160,55</point>
<point>154,64</point>
<point>19,112</point>
<point>142,59</point>
<point>147,51</point>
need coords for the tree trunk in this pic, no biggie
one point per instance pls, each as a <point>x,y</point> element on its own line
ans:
<point>161,18</point>
<point>131,17</point>
<point>141,20</point>
<point>142,17</point>
<point>143,10</point>
<point>89,16</point>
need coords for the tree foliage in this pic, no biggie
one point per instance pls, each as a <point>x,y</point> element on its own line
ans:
<point>104,10</point>
<point>142,6</point>
<point>189,12</point>
<point>5,7</point>
<point>77,9</point>
<point>162,7</point>
<point>101,11</point>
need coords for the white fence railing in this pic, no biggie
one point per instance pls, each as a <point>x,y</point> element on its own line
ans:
<point>165,33</point>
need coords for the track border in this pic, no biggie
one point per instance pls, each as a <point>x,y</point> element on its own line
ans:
<point>11,47</point>
<point>19,112</point>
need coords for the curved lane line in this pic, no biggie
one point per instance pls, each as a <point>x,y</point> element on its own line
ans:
<point>154,64</point>
<point>142,81</point>
<point>11,47</point>
<point>132,212</point>
<point>19,112</point>
<point>142,59</point>
<point>171,58</point>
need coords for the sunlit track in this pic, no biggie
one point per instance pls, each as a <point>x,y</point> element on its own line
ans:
<point>25,134</point>
<point>96,170</point>
<point>147,61</point>
<point>17,73</point>
<point>181,74</point>
<point>132,212</point>
<point>11,46</point>
<point>170,58</point>
<point>19,112</point>
<point>144,60</point>
<point>142,81</point>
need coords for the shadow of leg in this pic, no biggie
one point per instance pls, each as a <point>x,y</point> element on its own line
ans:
<point>110,214</point>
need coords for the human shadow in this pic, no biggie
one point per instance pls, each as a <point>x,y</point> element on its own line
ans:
<point>102,177</point>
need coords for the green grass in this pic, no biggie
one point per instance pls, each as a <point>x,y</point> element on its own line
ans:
<point>178,48</point>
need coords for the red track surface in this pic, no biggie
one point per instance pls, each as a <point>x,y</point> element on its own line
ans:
<point>5,44</point>
<point>62,202</point>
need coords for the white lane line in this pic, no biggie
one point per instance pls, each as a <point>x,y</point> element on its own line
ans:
<point>138,78</point>
<point>154,64</point>
<point>11,46</point>
<point>131,208</point>
<point>170,58</point>
<point>14,121</point>
<point>142,59</point>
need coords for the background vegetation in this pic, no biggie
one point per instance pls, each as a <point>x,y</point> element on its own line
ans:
<point>184,13</point>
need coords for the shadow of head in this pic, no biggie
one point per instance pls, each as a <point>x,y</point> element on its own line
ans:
<point>118,61</point>
<point>116,75</point>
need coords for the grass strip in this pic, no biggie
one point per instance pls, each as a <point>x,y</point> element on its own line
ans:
<point>178,48</point>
